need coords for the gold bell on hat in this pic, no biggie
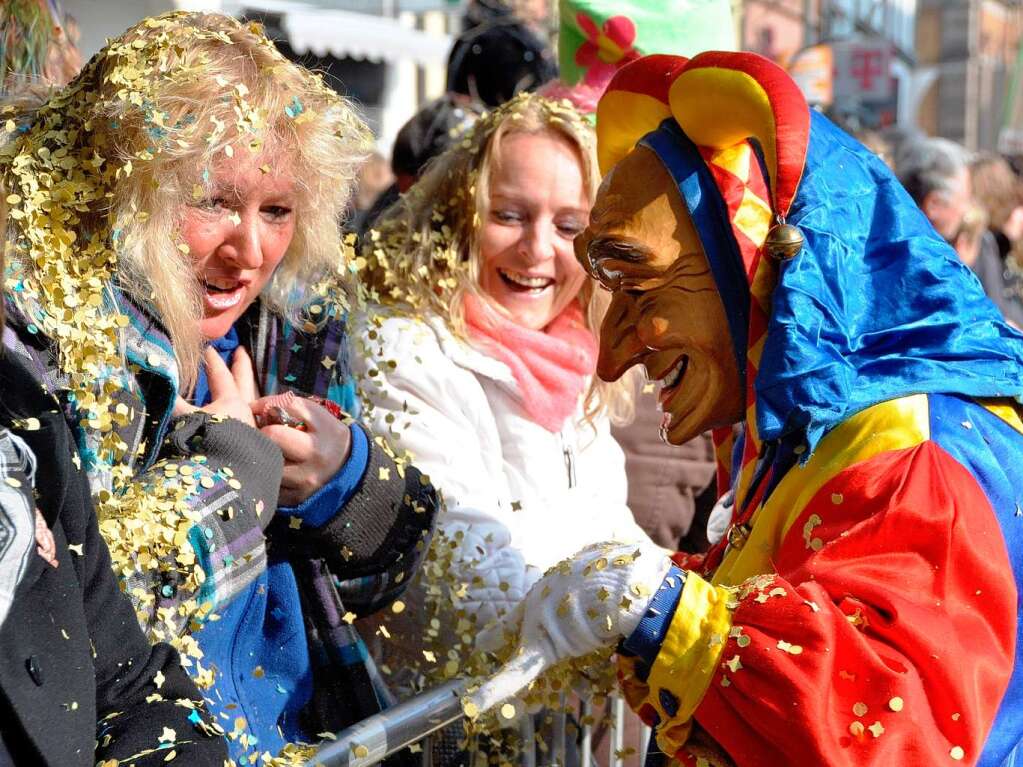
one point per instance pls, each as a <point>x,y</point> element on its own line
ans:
<point>784,241</point>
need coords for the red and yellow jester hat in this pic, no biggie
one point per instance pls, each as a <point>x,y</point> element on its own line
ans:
<point>732,130</point>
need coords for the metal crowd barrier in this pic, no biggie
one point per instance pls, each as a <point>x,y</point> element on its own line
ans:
<point>415,719</point>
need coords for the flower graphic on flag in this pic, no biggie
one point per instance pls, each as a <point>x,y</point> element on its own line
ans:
<point>606,48</point>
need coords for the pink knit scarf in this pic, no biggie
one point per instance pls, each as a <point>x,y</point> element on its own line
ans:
<point>550,366</point>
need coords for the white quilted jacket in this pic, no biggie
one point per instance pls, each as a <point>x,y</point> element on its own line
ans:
<point>525,498</point>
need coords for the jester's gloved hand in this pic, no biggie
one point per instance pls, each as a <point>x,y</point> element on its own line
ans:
<point>587,602</point>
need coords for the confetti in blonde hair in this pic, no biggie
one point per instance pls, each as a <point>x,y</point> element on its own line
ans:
<point>423,254</point>
<point>95,178</point>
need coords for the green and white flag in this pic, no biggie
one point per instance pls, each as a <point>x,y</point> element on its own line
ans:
<point>597,37</point>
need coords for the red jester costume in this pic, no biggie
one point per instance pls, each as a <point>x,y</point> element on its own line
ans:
<point>862,608</point>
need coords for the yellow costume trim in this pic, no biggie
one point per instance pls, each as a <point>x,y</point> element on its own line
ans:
<point>1008,410</point>
<point>893,425</point>
<point>629,113</point>
<point>690,652</point>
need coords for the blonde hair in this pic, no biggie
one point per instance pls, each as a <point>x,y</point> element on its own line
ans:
<point>423,253</point>
<point>157,107</point>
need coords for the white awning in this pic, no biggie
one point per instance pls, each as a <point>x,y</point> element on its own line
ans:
<point>314,29</point>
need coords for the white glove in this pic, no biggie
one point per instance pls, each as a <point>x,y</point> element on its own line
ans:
<point>583,604</point>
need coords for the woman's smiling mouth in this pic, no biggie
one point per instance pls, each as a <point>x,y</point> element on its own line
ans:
<point>524,283</point>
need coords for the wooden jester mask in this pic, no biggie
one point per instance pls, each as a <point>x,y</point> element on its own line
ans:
<point>685,316</point>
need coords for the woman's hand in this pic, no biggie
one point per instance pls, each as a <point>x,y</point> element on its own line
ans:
<point>232,391</point>
<point>314,453</point>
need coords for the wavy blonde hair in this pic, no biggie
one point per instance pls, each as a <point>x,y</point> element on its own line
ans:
<point>424,252</point>
<point>158,107</point>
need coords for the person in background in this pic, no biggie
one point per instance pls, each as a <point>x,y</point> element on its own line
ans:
<point>498,55</point>
<point>177,283</point>
<point>999,192</point>
<point>876,143</point>
<point>480,361</point>
<point>428,133</point>
<point>936,173</point>
<point>79,683</point>
<point>373,181</point>
<point>672,488</point>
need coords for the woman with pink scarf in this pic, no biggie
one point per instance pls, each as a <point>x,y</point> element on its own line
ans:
<point>479,360</point>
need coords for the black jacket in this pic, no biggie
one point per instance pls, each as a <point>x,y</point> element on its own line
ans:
<point>79,684</point>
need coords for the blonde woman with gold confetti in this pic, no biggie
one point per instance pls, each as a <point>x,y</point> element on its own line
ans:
<point>480,362</point>
<point>173,227</point>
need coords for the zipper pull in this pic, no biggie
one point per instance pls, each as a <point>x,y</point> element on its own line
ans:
<point>569,463</point>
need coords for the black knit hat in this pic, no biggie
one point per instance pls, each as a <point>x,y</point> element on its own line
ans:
<point>498,58</point>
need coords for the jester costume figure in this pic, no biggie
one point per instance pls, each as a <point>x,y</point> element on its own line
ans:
<point>862,608</point>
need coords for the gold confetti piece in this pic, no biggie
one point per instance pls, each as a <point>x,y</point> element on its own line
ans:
<point>895,704</point>
<point>385,474</point>
<point>856,729</point>
<point>77,548</point>
<point>360,751</point>
<point>957,753</point>
<point>398,607</point>
<point>955,717</point>
<point>508,711</point>
<point>859,708</point>
<point>158,679</point>
<point>429,655</point>
<point>258,672</point>
<point>470,709</point>
<point>792,649</point>
<point>837,498</point>
<point>876,729</point>
<point>349,617</point>
<point>294,522</point>
<point>171,755</point>
<point>168,735</point>
<point>12,481</point>
<point>734,664</point>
